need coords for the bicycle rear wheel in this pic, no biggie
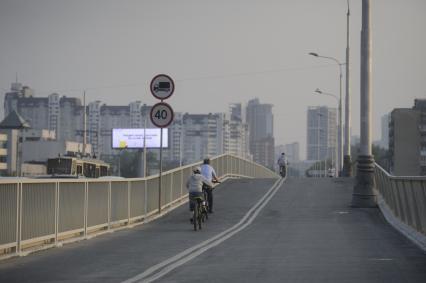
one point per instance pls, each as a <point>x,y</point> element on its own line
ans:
<point>200,215</point>
<point>195,216</point>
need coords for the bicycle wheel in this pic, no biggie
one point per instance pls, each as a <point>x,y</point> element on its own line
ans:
<point>195,216</point>
<point>206,207</point>
<point>206,214</point>
<point>200,215</point>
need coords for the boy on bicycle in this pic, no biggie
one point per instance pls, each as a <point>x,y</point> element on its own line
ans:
<point>194,184</point>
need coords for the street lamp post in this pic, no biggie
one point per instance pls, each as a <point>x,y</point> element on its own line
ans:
<point>347,162</point>
<point>340,132</point>
<point>363,194</point>
<point>339,125</point>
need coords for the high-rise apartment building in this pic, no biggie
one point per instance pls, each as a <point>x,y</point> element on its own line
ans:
<point>176,140</point>
<point>62,115</point>
<point>193,137</point>
<point>260,122</point>
<point>384,141</point>
<point>321,133</point>
<point>407,140</point>
<point>237,143</point>
<point>292,151</point>
<point>203,135</point>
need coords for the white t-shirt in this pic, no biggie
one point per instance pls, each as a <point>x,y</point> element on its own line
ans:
<point>208,172</point>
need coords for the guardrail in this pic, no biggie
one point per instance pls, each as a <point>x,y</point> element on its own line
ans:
<point>405,196</point>
<point>36,212</point>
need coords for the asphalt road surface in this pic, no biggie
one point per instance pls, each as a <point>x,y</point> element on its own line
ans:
<point>302,230</point>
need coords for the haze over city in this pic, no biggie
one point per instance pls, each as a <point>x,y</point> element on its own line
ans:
<point>251,178</point>
<point>218,52</point>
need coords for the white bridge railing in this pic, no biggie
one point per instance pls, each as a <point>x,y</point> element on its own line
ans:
<point>36,212</point>
<point>405,196</point>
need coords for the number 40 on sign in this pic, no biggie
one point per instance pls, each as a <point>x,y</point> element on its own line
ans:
<point>161,115</point>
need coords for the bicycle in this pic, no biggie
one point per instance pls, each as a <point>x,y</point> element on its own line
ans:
<point>206,198</point>
<point>206,203</point>
<point>283,171</point>
<point>199,213</point>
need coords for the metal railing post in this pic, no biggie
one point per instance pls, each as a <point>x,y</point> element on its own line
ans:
<point>181,182</point>
<point>86,206</point>
<point>109,205</point>
<point>56,211</point>
<point>129,191</point>
<point>171,187</point>
<point>18,216</point>
<point>146,199</point>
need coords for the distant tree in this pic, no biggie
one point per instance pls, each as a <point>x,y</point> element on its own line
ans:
<point>129,164</point>
<point>381,156</point>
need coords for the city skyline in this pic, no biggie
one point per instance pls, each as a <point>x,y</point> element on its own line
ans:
<point>112,50</point>
<point>191,137</point>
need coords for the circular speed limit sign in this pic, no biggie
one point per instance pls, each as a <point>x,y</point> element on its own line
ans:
<point>162,86</point>
<point>161,115</point>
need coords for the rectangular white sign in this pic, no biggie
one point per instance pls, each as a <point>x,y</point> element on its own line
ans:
<point>133,138</point>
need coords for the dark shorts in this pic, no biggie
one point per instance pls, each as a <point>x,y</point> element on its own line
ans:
<point>194,195</point>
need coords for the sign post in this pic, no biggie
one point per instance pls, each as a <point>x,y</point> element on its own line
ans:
<point>162,87</point>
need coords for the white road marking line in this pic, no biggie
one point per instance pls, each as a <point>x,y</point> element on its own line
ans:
<point>188,254</point>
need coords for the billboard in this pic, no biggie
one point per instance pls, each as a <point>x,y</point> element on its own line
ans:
<point>133,138</point>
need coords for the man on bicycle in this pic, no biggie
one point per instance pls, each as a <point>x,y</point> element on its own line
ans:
<point>208,172</point>
<point>282,164</point>
<point>195,185</point>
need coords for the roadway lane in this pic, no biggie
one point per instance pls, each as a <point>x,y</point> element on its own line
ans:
<point>308,233</point>
<point>118,256</point>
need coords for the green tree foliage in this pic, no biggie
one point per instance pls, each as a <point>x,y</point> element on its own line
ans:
<point>381,156</point>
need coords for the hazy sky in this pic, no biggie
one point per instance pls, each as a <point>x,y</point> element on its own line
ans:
<point>218,52</point>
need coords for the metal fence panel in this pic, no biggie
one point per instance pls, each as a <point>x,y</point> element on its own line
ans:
<point>71,206</point>
<point>186,173</point>
<point>166,189</point>
<point>176,185</point>
<point>38,210</point>
<point>419,189</point>
<point>137,198</point>
<point>152,190</point>
<point>215,164</point>
<point>8,213</point>
<point>98,201</point>
<point>397,207</point>
<point>119,200</point>
<point>403,200</point>
<point>405,196</point>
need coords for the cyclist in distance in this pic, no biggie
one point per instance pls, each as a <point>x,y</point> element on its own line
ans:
<point>195,185</point>
<point>282,164</point>
<point>208,172</point>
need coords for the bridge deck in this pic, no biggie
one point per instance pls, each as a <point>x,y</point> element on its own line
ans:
<point>306,233</point>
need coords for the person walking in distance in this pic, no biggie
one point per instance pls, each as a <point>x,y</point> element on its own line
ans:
<point>208,172</point>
